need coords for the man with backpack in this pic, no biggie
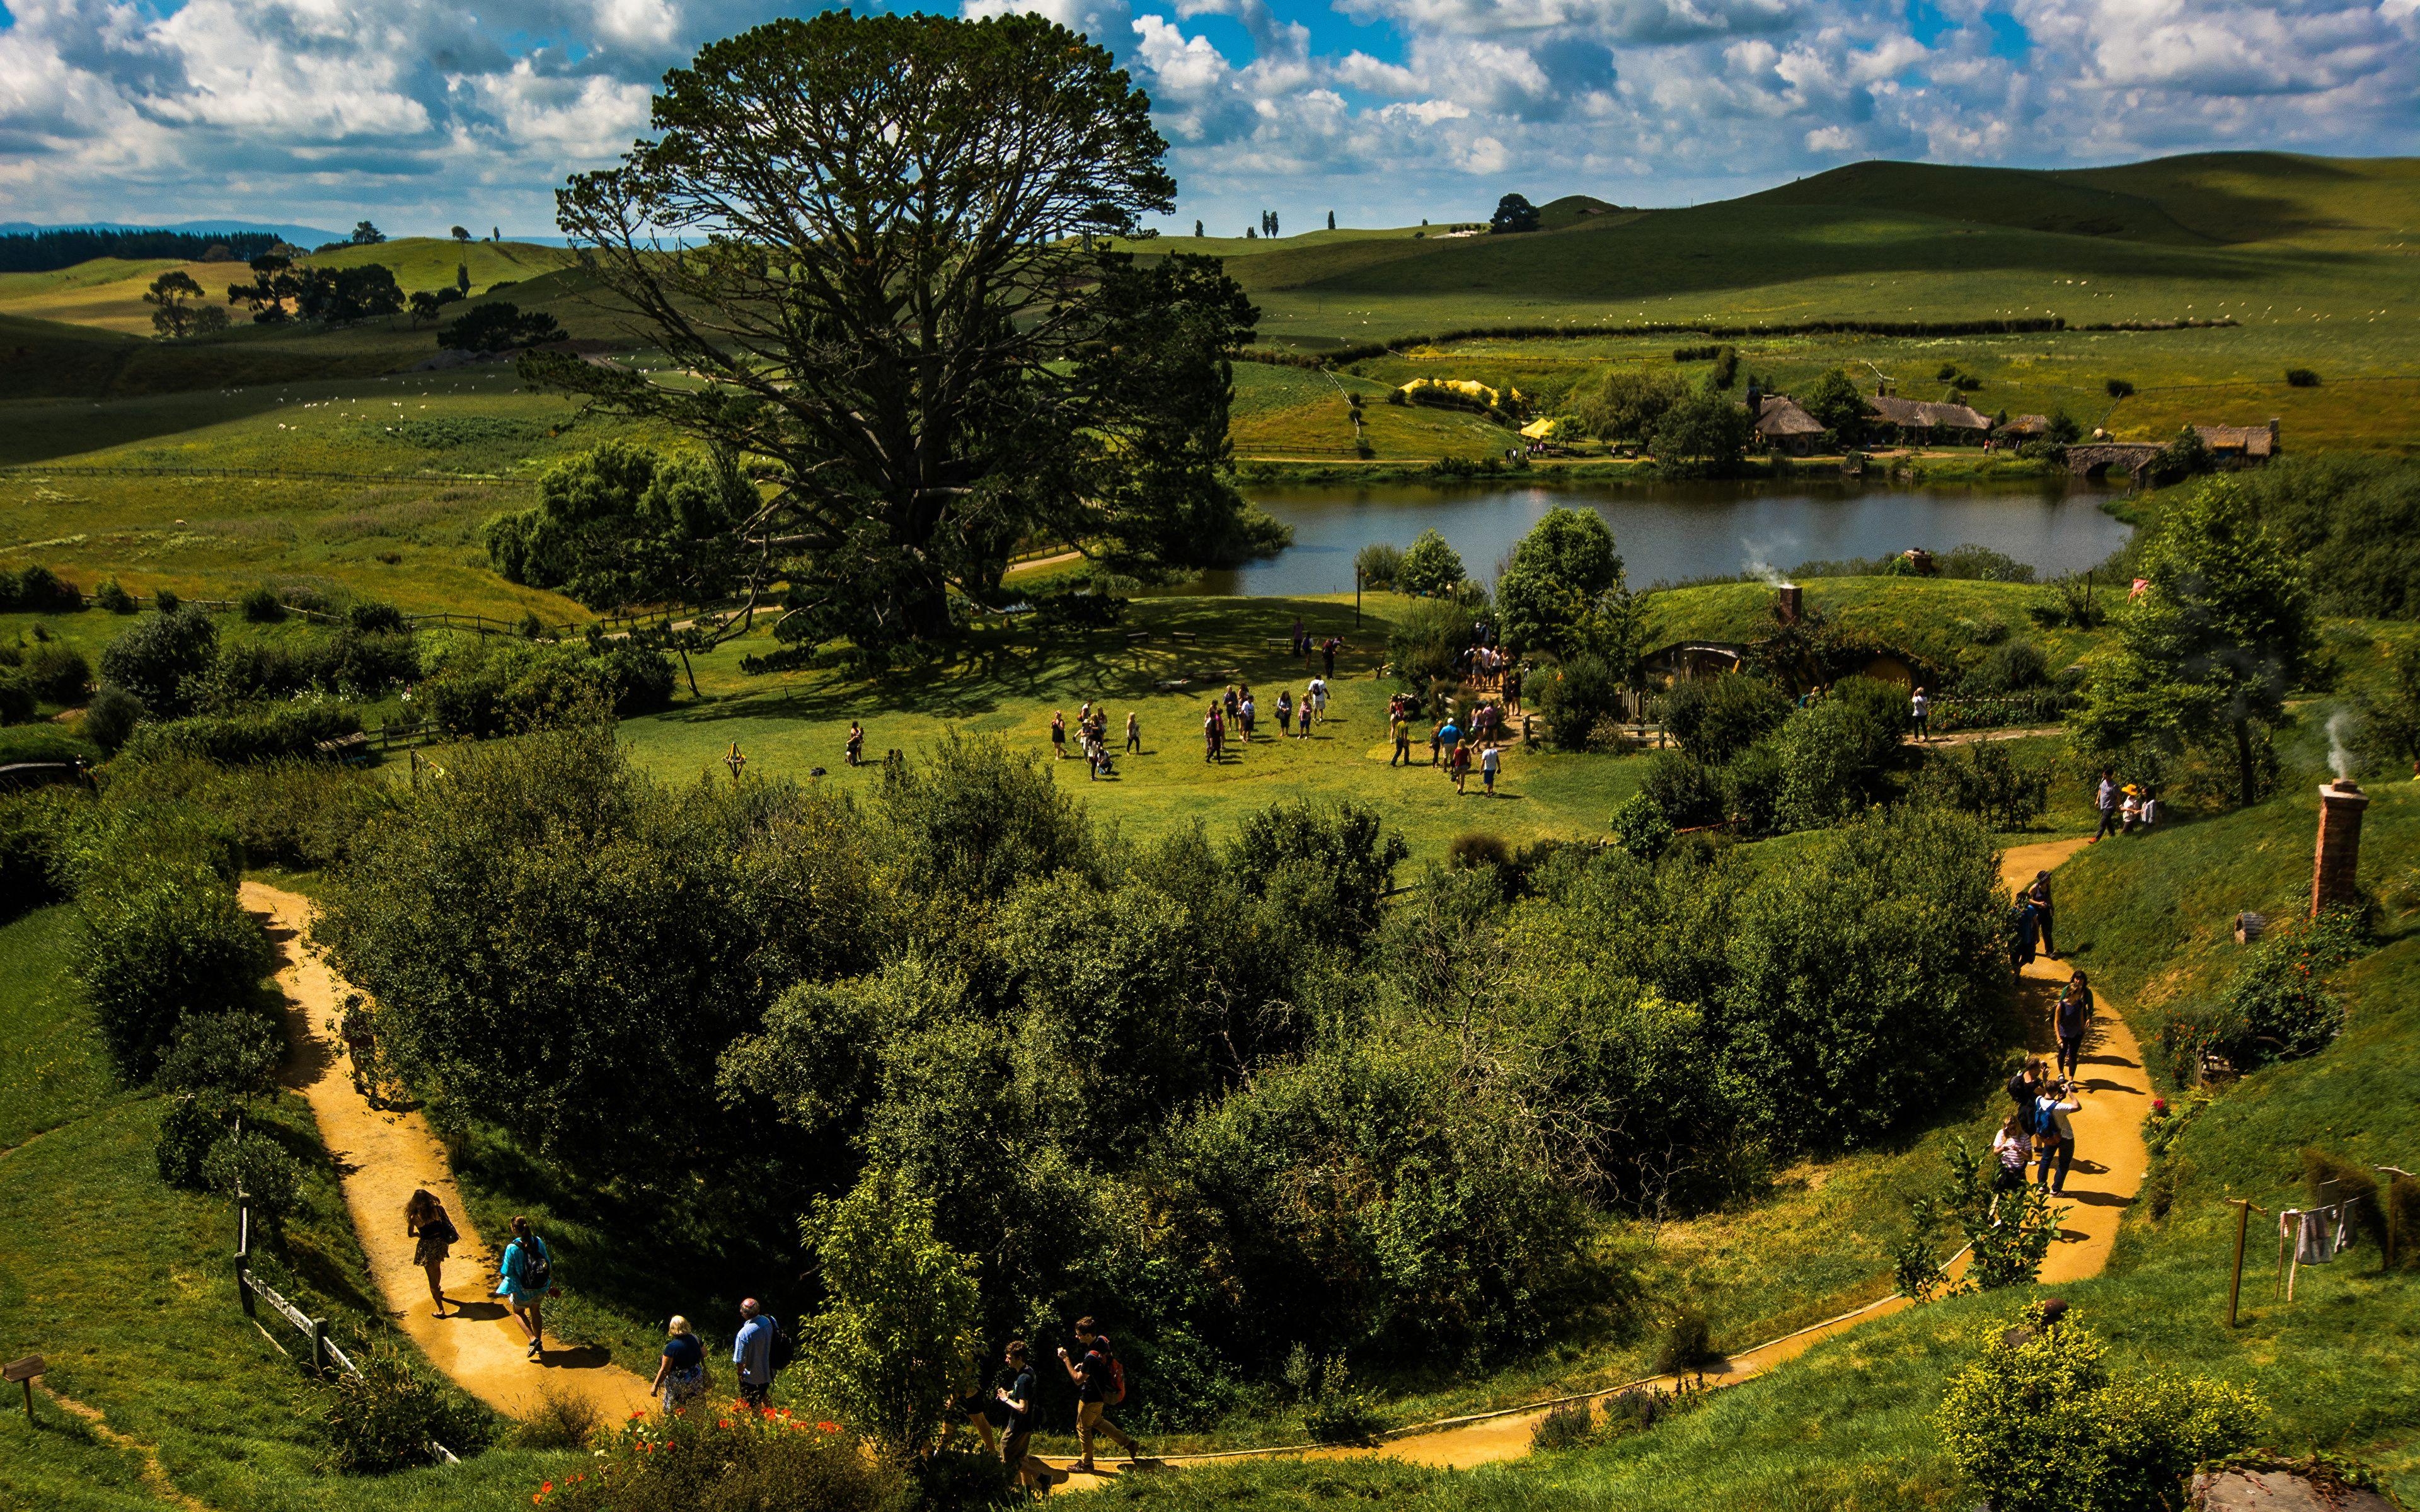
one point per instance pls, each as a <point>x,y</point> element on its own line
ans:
<point>526,1279</point>
<point>1100,1381</point>
<point>753,1351</point>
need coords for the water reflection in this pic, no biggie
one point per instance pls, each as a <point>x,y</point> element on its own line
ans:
<point>1676,529</point>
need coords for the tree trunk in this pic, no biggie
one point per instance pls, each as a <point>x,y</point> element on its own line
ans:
<point>691,671</point>
<point>2243,763</point>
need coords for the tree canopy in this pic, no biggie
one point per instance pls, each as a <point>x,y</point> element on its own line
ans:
<point>1513,213</point>
<point>880,241</point>
<point>1559,578</point>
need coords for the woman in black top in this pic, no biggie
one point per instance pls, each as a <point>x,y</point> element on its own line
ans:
<point>680,1374</point>
<point>2074,1016</point>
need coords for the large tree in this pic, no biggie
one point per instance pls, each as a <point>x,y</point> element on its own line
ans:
<point>878,239</point>
<point>2208,647</point>
<point>1564,575</point>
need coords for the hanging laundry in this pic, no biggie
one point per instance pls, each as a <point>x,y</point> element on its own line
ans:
<point>2319,1234</point>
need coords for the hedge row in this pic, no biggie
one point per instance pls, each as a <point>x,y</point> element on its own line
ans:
<point>1804,328</point>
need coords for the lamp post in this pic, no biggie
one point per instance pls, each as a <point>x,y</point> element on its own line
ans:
<point>1357,596</point>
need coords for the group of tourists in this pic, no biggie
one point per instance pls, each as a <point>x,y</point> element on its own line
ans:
<point>1005,1418</point>
<point>1304,644</point>
<point>1236,716</point>
<point>1453,746</point>
<point>2125,806</point>
<point>2037,1129</point>
<point>1092,738</point>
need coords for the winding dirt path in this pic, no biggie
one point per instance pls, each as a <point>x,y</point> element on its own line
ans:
<point>381,1156</point>
<point>2110,1164</point>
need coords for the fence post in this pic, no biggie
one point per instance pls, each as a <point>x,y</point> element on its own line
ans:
<point>318,1345</point>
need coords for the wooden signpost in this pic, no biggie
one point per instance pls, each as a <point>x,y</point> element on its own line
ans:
<point>23,1372</point>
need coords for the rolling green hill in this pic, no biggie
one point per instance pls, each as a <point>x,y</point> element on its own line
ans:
<point>2012,197</point>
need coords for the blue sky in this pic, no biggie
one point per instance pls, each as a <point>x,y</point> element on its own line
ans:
<point>420,115</point>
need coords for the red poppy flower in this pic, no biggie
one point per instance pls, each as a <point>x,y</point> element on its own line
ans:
<point>828,1428</point>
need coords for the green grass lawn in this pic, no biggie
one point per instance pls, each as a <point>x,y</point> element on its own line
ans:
<point>124,1287</point>
<point>1008,683</point>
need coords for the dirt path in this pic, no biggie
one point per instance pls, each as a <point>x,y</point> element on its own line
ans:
<point>155,1474</point>
<point>383,1156</point>
<point>2109,1170</point>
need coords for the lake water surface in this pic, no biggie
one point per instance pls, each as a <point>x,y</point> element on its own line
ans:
<point>1675,529</point>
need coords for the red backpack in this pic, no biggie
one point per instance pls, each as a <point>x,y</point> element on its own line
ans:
<point>1117,1381</point>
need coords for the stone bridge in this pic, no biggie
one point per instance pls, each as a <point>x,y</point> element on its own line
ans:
<point>2131,457</point>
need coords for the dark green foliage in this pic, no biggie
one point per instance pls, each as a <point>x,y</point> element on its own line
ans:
<point>1327,866</point>
<point>33,854</point>
<point>261,607</point>
<point>2278,1002</point>
<point>2209,650</point>
<point>57,673</point>
<point>392,1415</point>
<point>1566,1427</point>
<point>256,1167</point>
<point>1833,754</point>
<point>2010,667</point>
<point>1752,786</point>
<point>1339,1412</point>
<point>1987,781</point>
<point>1702,433</point>
<point>1429,567</point>
<point>2118,387</point>
<point>36,590</point>
<point>108,595</point>
<point>1576,696</point>
<point>499,327</point>
<point>263,733</point>
<point>162,658</point>
<point>188,1129</point>
<point>496,687</point>
<point>1687,1345</point>
<point>232,1052</point>
<point>1379,563</point>
<point>1069,604</point>
<point>1627,403</point>
<point>16,697</point>
<point>625,524</point>
<point>2329,1178</point>
<point>1640,826</point>
<point>164,939</point>
<point>1513,213</point>
<point>972,821</point>
<point>1686,790</point>
<point>1834,402</point>
<point>1559,573</point>
<point>2355,522</point>
<point>38,252</point>
<point>350,661</point>
<point>1425,640</point>
<point>2301,378</point>
<point>1715,719</point>
<point>2390,718</point>
<point>337,295</point>
<point>456,916</point>
<point>110,719</point>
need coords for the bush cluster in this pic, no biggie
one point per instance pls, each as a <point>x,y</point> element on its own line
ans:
<point>392,1415</point>
<point>263,732</point>
<point>500,688</point>
<point>38,590</point>
<point>736,1459</point>
<point>1747,757</point>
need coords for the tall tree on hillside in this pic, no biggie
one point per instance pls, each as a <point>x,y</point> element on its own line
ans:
<point>1513,213</point>
<point>880,241</point>
<point>460,233</point>
<point>366,235</point>
<point>2220,632</point>
<point>170,296</point>
<point>1331,220</point>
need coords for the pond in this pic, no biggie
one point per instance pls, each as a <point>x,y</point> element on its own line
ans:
<point>1671,531</point>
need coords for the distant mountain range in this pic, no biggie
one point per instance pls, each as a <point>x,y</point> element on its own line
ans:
<point>301,235</point>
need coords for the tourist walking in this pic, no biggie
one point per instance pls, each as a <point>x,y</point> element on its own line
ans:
<point>1248,714</point>
<point>680,1370</point>
<point>2071,1018</point>
<point>1210,735</point>
<point>1450,737</point>
<point>1399,726</point>
<point>434,1237</point>
<point>1489,762</point>
<point>2026,1085</point>
<point>1461,768</point>
<point>2012,1147</point>
<point>751,1352</point>
<point>854,752</point>
<point>525,1280</point>
<point>1315,701</point>
<point>2040,893</point>
<point>1328,649</point>
<point>1918,710</point>
<point>1436,741</point>
<point>2024,928</point>
<point>2055,1135</point>
<point>1010,1408</point>
<point>1134,734</point>
<point>1058,733</point>
<point>1100,1385</point>
<point>1285,713</point>
<point>2105,800</point>
<point>1512,688</point>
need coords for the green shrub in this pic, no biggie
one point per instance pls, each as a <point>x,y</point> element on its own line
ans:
<point>559,1417</point>
<point>1425,640</point>
<point>110,718</point>
<point>2280,995</point>
<point>702,1461</point>
<point>1687,1345</point>
<point>901,1310</point>
<point>1683,789</point>
<point>261,607</point>
<point>1640,826</point>
<point>108,595</point>
<point>1576,695</point>
<point>38,590</point>
<point>2301,378</point>
<point>1430,568</point>
<point>1715,719</point>
<point>1379,563</point>
<point>277,731</point>
<point>235,1053</point>
<point>16,697</point>
<point>257,1167</point>
<point>1751,789</point>
<point>1337,1412</point>
<point>160,943</point>
<point>162,658</point>
<point>59,673</point>
<point>188,1130</point>
<point>1474,849</point>
<point>1988,780</point>
<point>391,1416</point>
<point>498,688</point>
<point>1833,753</point>
<point>33,854</point>
<point>2038,1424</point>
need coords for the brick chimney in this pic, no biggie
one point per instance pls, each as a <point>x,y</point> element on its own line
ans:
<point>1785,603</point>
<point>2339,848</point>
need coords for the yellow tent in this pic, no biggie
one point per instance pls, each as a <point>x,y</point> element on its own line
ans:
<point>1538,430</point>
